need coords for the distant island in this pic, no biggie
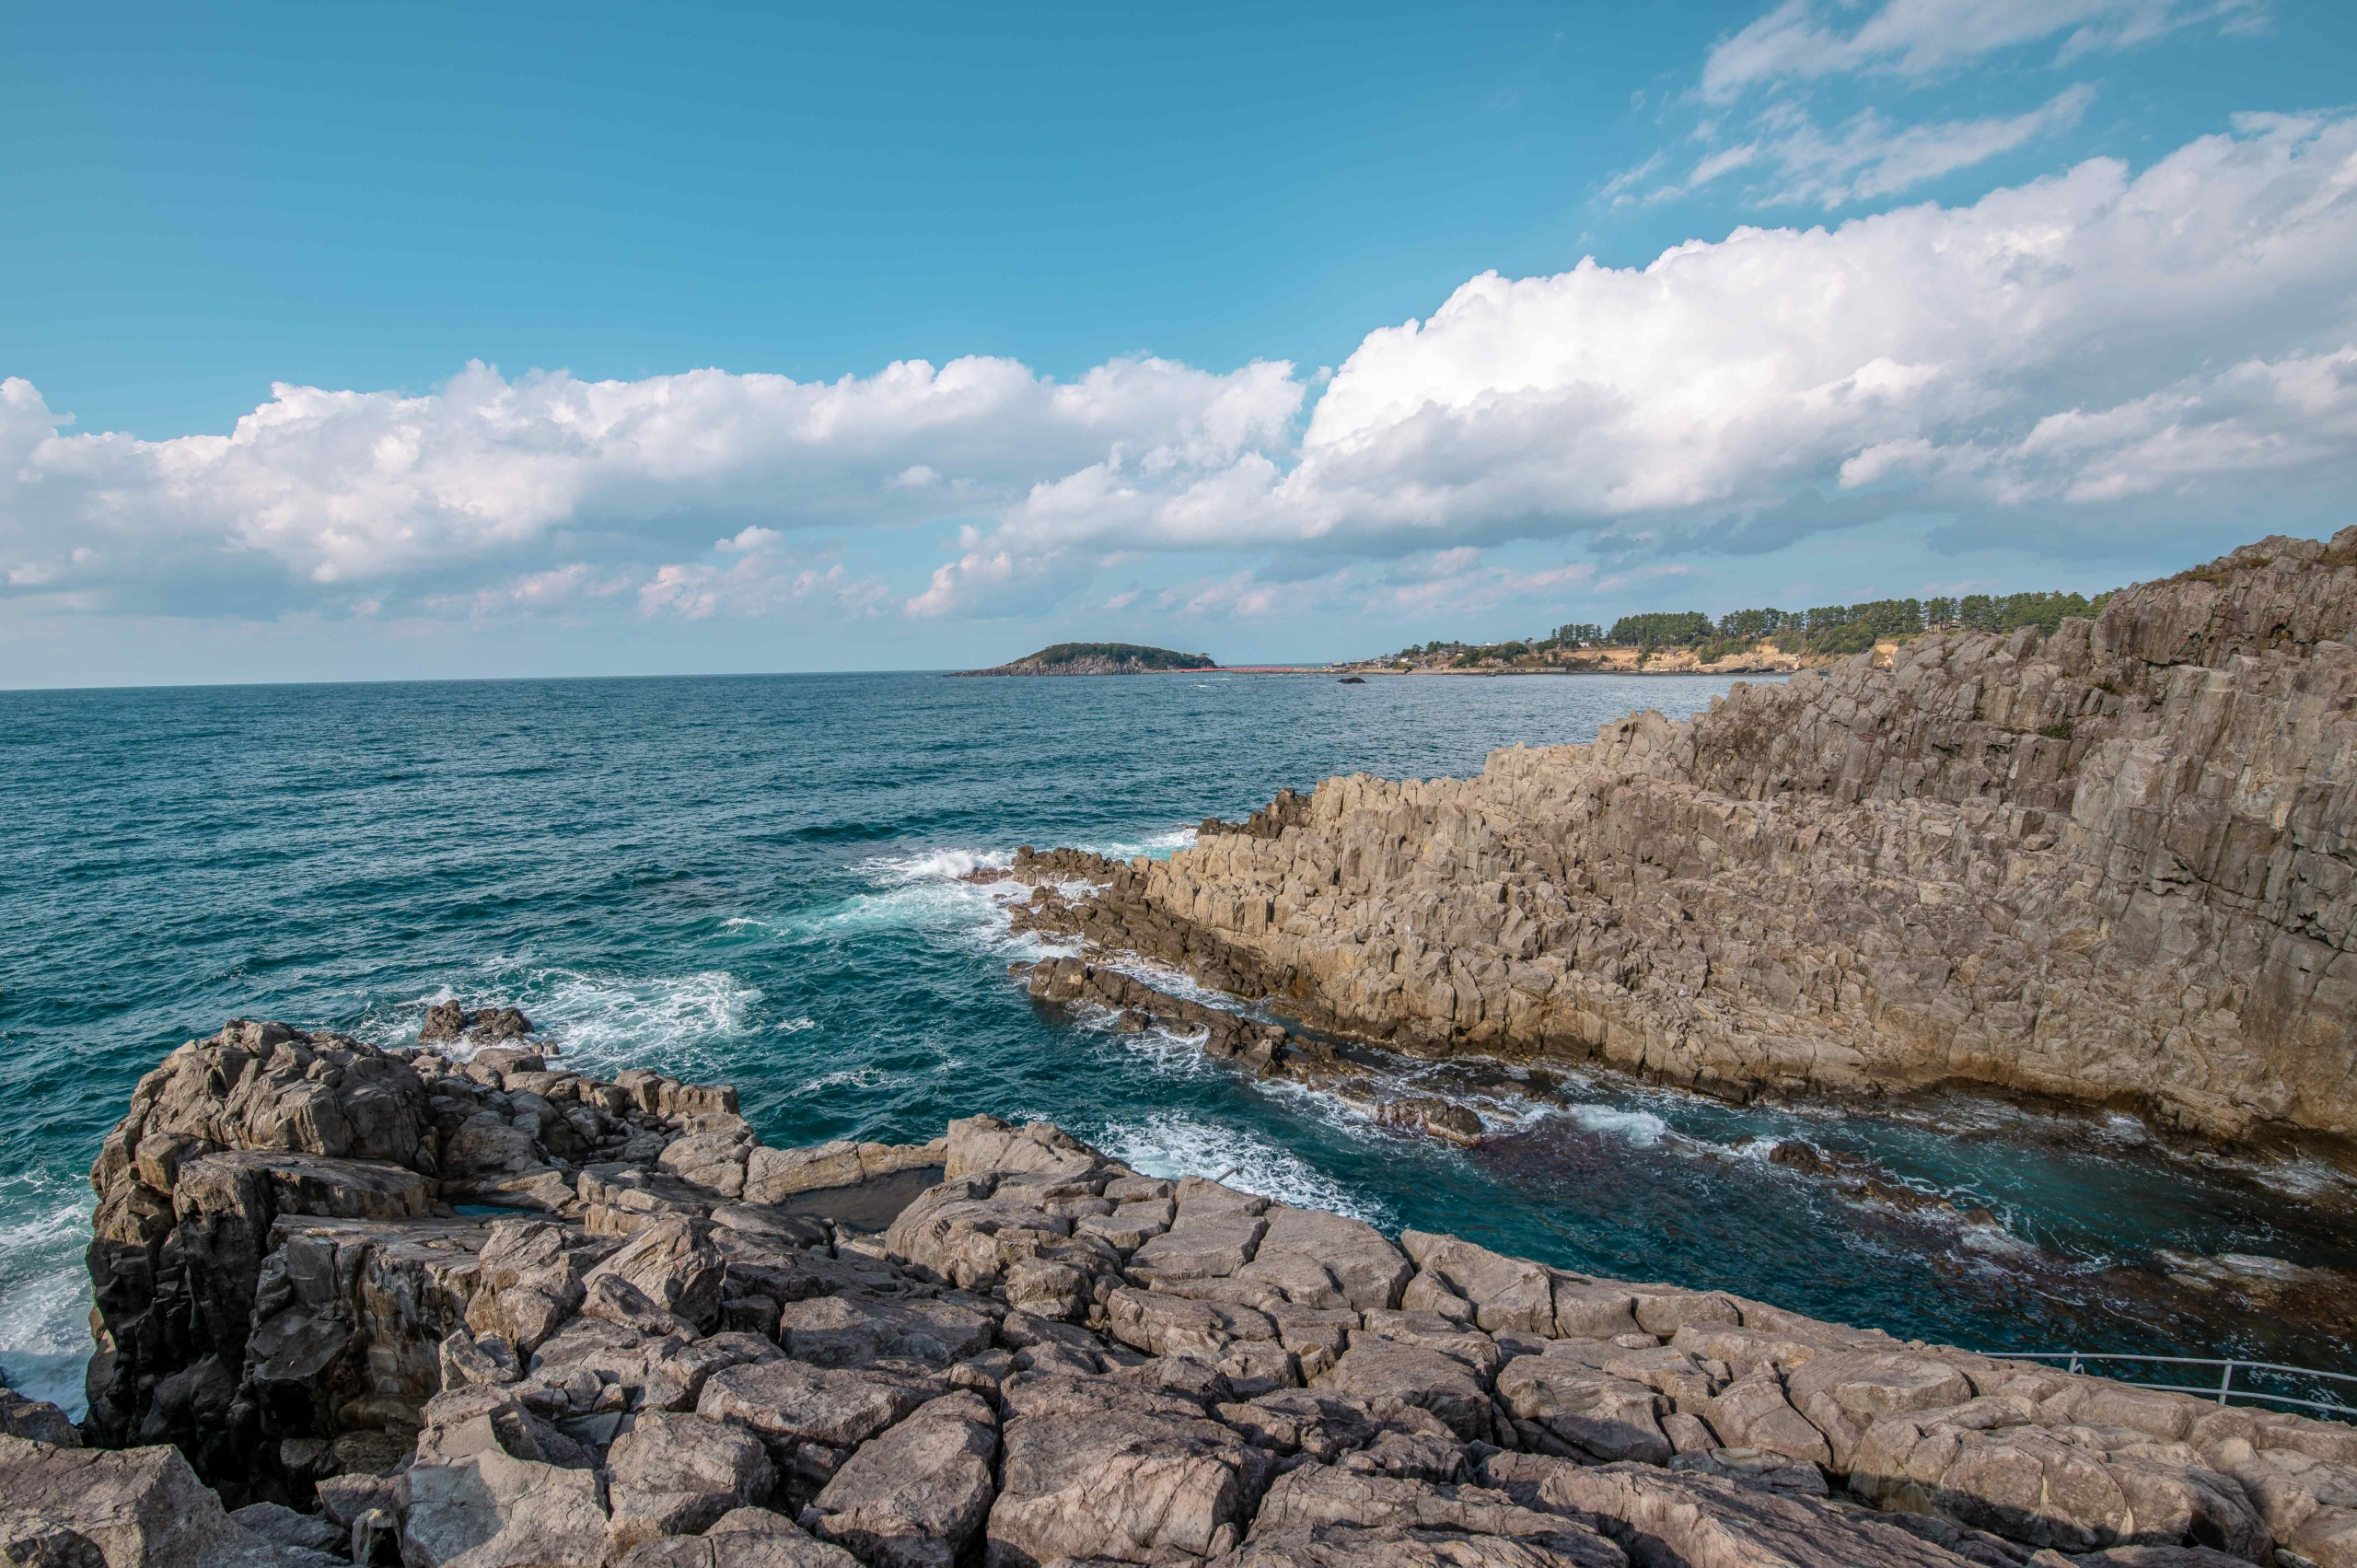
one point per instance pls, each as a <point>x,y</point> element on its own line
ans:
<point>1099,658</point>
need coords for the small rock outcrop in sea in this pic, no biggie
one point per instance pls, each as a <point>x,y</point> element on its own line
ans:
<point>1099,658</point>
<point>1044,1357</point>
<point>2115,866</point>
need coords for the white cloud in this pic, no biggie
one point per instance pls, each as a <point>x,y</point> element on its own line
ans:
<point>1868,157</point>
<point>1763,371</point>
<point>985,582</point>
<point>763,581</point>
<point>1760,84</point>
<point>532,593</point>
<point>1805,38</point>
<point>316,489</point>
<point>2057,359</point>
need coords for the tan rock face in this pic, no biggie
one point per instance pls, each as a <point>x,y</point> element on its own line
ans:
<point>2113,865</point>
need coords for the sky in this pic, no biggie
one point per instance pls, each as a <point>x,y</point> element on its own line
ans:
<point>344,342</point>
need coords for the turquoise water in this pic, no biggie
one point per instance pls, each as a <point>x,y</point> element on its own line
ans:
<point>754,880</point>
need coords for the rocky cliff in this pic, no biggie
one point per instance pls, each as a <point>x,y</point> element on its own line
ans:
<point>2114,865</point>
<point>684,1355</point>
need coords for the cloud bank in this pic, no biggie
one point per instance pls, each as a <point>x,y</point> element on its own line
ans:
<point>2061,362</point>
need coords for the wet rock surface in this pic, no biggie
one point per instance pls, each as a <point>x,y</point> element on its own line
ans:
<point>1046,1357</point>
<point>2110,865</point>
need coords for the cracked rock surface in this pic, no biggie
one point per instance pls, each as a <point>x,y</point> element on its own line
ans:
<point>661,1371</point>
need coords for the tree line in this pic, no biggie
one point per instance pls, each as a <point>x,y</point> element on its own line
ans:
<point>1827,629</point>
<point>1836,628</point>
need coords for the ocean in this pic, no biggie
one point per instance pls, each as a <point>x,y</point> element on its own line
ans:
<point>755,880</point>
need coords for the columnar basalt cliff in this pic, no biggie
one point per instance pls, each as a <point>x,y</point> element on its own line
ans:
<point>2114,864</point>
<point>688,1354</point>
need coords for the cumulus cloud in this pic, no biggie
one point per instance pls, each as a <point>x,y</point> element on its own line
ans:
<point>2099,350</point>
<point>2052,342</point>
<point>317,492</point>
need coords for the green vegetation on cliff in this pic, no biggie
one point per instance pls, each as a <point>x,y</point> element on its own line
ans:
<point>1826,630</point>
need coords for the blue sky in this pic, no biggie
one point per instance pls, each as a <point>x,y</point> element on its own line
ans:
<point>1145,279</point>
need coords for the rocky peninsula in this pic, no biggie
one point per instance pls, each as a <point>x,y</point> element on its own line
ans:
<point>2113,865</point>
<point>455,1306</point>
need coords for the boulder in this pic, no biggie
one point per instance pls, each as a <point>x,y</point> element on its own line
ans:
<point>1506,1293</point>
<point>1845,1393</point>
<point>716,1161</point>
<point>1175,1325</point>
<point>1612,1418</point>
<point>1321,1424</point>
<point>1093,1469</point>
<point>1664,1311</point>
<point>1699,1521</point>
<point>913,1496</point>
<point>36,1419</point>
<point>772,1176</point>
<point>1752,1412</point>
<point>678,1474</point>
<point>789,1403</point>
<point>984,1144</point>
<point>2076,1489</point>
<point>491,1510</point>
<point>1479,1351</point>
<point>675,1265</point>
<point>63,1507</point>
<point>856,1329</point>
<point>1389,1375</point>
<point>1593,1310</point>
<point>1213,1246</point>
<point>1758,1468</point>
<point>617,1300</point>
<point>1326,1261</point>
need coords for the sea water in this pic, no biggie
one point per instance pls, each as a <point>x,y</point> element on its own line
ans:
<point>756,881</point>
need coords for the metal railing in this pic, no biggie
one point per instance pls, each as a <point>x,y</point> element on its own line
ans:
<point>2222,1391</point>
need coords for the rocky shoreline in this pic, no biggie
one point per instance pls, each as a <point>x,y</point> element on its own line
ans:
<point>457,1305</point>
<point>2113,867</point>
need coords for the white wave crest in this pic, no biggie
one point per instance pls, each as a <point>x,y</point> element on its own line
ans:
<point>1154,846</point>
<point>684,1025</point>
<point>1640,1129</point>
<point>934,865</point>
<point>45,1287</point>
<point>1171,1143</point>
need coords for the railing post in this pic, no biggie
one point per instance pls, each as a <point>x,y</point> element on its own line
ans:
<point>2225,1382</point>
<point>2075,1364</point>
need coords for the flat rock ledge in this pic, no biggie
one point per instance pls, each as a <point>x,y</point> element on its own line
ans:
<point>384,1307</point>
